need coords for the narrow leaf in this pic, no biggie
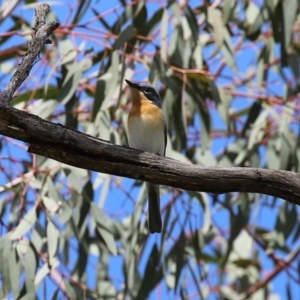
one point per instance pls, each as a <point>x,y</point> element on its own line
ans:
<point>124,36</point>
<point>25,225</point>
<point>52,240</point>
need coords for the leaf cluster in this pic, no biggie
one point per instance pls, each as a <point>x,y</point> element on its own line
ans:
<point>228,77</point>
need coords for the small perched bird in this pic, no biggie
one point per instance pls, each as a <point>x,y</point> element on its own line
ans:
<point>147,131</point>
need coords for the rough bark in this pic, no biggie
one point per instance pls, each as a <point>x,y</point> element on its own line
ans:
<point>41,37</point>
<point>80,150</point>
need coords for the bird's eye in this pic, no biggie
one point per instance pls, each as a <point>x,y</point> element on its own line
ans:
<point>146,90</point>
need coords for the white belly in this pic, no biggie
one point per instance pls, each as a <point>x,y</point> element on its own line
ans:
<point>144,136</point>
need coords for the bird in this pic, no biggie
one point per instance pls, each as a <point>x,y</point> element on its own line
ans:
<point>147,131</point>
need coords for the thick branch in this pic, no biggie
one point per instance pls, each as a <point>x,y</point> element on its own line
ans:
<point>40,38</point>
<point>80,150</point>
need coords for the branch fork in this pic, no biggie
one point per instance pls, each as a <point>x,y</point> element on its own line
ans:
<point>41,37</point>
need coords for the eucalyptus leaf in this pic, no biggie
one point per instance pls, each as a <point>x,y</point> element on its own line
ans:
<point>104,227</point>
<point>27,222</point>
<point>52,239</point>
<point>163,35</point>
<point>215,20</point>
<point>125,36</point>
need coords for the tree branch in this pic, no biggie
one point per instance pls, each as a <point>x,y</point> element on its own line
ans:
<point>83,151</point>
<point>80,150</point>
<point>41,37</point>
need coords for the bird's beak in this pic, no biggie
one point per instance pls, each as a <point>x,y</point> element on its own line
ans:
<point>132,84</point>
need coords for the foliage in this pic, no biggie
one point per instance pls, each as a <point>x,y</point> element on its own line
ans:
<point>228,76</point>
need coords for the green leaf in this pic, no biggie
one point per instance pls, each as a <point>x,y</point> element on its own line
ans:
<point>255,18</point>
<point>30,263</point>
<point>71,291</point>
<point>51,205</point>
<point>297,233</point>
<point>100,94</point>
<point>40,93</point>
<point>124,37</point>
<point>65,212</point>
<point>164,36</point>
<point>105,191</point>
<point>107,289</point>
<point>52,241</point>
<point>140,19</point>
<point>45,109</point>
<point>5,251</point>
<point>228,292</point>
<point>104,228</point>
<point>237,223</point>
<point>174,106</point>
<point>228,9</point>
<point>192,21</point>
<point>42,273</point>
<point>151,276</point>
<point>223,101</point>
<point>176,10</point>
<point>81,10</point>
<point>81,263</point>
<point>37,237</point>
<point>289,14</point>
<point>294,63</point>
<point>228,50</point>
<point>179,258</point>
<point>258,130</point>
<point>153,21</point>
<point>205,126</point>
<point>214,18</point>
<point>273,161</point>
<point>111,78</point>
<point>101,20</point>
<point>286,220</point>
<point>67,52</point>
<point>203,198</point>
<point>25,225</point>
<point>52,192</point>
<point>263,59</point>
<point>197,55</point>
<point>251,13</point>
<point>286,137</point>
<point>195,279</point>
<point>15,270</point>
<point>70,83</point>
<point>271,5</point>
<point>252,116</point>
<point>177,47</point>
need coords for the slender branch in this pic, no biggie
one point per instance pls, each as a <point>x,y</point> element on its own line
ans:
<point>81,150</point>
<point>291,257</point>
<point>16,181</point>
<point>41,37</point>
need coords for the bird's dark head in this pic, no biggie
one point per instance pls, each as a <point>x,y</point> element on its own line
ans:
<point>142,90</point>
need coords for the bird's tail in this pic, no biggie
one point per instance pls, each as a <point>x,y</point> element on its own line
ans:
<point>154,218</point>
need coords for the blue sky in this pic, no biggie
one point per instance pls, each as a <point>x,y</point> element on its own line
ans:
<point>61,10</point>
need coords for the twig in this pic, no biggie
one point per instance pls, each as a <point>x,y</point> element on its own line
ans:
<point>41,37</point>
<point>291,257</point>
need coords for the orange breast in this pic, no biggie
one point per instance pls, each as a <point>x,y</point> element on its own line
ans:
<point>146,123</point>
